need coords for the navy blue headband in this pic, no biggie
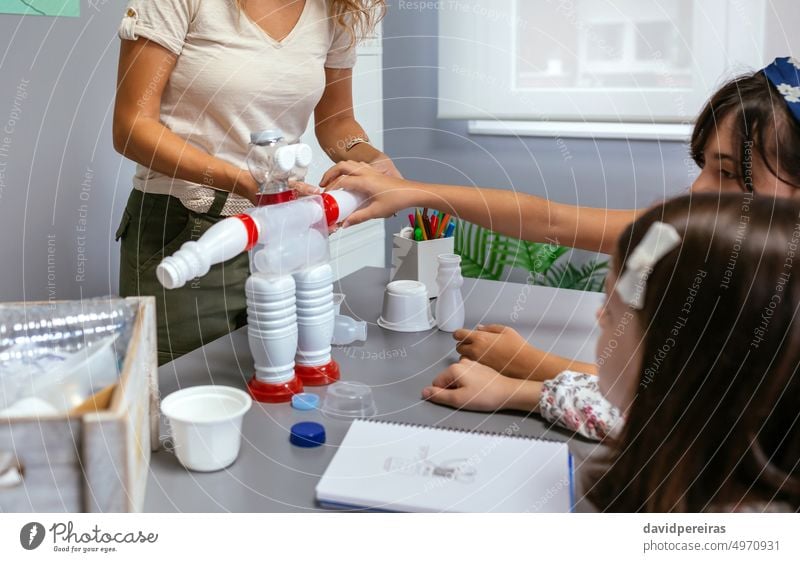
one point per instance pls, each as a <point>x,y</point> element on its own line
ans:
<point>784,73</point>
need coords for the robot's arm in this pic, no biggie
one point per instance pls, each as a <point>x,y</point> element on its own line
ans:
<point>296,229</point>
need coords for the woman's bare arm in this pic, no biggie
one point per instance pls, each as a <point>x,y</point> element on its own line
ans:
<point>335,124</point>
<point>144,70</point>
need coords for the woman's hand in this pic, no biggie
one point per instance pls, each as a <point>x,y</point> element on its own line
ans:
<point>385,165</point>
<point>385,194</point>
<point>473,386</point>
<point>498,347</point>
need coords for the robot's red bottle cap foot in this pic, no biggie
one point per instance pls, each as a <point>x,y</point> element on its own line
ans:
<point>319,375</point>
<point>274,392</point>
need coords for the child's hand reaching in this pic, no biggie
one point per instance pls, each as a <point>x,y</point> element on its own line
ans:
<point>385,194</point>
<point>498,347</point>
<point>473,386</point>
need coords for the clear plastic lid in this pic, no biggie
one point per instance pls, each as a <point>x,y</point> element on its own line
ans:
<point>349,399</point>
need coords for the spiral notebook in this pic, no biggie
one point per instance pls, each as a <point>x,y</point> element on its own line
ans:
<point>386,466</point>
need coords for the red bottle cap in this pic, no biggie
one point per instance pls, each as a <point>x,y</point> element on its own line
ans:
<point>319,375</point>
<point>274,393</point>
<point>252,230</point>
<point>331,209</point>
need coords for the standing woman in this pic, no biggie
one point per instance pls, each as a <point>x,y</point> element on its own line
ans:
<point>195,78</point>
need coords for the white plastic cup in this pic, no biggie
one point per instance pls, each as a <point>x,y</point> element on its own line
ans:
<point>406,307</point>
<point>206,425</point>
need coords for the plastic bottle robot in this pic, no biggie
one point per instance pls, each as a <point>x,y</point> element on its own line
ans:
<point>290,309</point>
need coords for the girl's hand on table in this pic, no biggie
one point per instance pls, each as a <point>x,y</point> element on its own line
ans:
<point>386,195</point>
<point>498,347</point>
<point>473,386</point>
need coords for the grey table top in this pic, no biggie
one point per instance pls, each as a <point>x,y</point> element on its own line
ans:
<point>271,475</point>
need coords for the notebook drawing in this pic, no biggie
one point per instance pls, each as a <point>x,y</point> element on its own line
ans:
<point>397,467</point>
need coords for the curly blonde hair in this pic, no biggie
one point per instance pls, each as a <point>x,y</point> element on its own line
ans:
<point>358,17</point>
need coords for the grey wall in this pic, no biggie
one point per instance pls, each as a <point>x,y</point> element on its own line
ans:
<point>62,186</point>
<point>603,173</point>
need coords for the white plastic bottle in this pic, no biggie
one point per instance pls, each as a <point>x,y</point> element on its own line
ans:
<point>450,303</point>
<point>255,229</point>
<point>347,330</point>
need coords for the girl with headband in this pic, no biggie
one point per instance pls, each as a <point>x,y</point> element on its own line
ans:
<point>746,139</point>
<point>711,389</point>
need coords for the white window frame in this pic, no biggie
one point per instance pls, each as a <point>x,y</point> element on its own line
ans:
<point>734,20</point>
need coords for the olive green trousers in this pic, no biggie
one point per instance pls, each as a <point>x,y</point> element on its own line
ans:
<point>155,226</point>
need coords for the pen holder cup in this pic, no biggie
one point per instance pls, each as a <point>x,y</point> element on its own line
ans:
<point>417,260</point>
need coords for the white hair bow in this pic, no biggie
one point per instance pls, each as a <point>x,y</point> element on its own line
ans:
<point>660,239</point>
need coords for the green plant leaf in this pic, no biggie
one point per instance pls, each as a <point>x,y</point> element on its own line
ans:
<point>486,255</point>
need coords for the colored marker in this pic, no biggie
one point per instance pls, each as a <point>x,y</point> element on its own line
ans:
<point>421,221</point>
<point>443,224</point>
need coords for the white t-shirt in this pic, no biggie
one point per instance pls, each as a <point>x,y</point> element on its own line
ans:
<point>231,78</point>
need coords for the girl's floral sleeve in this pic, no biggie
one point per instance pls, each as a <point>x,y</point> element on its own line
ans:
<point>574,401</point>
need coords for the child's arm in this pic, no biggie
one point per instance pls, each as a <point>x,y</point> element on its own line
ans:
<point>572,400</point>
<point>510,213</point>
<point>505,351</point>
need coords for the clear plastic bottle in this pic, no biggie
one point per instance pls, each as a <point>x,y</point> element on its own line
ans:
<point>265,164</point>
<point>31,331</point>
<point>62,353</point>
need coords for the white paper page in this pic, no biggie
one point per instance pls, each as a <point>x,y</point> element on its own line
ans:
<point>411,468</point>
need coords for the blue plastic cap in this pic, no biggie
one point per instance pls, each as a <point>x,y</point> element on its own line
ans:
<point>307,434</point>
<point>305,401</point>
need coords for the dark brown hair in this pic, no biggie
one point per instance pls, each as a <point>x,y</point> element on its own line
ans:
<point>762,126</point>
<point>714,424</point>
